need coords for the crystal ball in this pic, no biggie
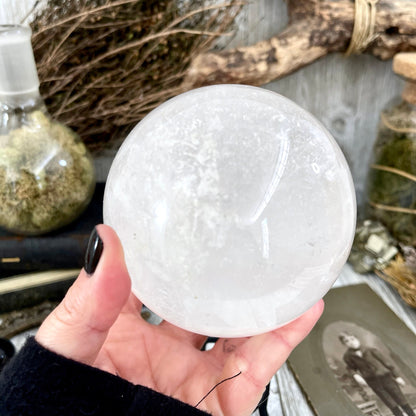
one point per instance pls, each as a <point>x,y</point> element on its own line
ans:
<point>235,208</point>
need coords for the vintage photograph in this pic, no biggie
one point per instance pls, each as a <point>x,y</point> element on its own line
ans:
<point>360,359</point>
<point>369,373</point>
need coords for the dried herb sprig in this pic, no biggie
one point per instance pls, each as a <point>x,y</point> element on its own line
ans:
<point>104,64</point>
<point>399,275</point>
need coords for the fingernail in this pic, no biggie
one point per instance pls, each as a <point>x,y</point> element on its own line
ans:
<point>93,253</point>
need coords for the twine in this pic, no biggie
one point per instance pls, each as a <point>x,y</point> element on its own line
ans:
<point>394,171</point>
<point>364,23</point>
<point>390,126</point>
<point>392,208</point>
<point>401,173</point>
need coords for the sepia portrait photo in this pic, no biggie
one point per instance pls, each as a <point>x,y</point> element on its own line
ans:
<point>369,373</point>
<point>360,359</point>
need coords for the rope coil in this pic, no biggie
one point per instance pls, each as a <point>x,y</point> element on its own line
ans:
<point>364,24</point>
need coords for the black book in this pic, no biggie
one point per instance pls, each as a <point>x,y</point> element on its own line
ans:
<point>61,249</point>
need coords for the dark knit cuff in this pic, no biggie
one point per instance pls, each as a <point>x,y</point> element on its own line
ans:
<point>39,382</point>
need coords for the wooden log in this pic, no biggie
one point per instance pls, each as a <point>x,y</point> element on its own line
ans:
<point>316,28</point>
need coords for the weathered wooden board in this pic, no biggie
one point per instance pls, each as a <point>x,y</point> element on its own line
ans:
<point>346,94</point>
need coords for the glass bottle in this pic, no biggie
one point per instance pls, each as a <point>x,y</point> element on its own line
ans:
<point>391,184</point>
<point>46,173</point>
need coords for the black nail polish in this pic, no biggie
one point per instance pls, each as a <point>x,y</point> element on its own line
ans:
<point>93,253</point>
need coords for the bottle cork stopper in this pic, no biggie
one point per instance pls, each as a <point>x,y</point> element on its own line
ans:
<point>404,64</point>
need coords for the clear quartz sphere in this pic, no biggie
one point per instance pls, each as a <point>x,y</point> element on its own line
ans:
<point>235,208</point>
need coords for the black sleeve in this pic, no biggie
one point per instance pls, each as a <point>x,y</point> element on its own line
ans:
<point>39,382</point>
<point>348,359</point>
<point>384,361</point>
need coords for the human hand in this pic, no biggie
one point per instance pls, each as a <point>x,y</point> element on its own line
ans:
<point>400,381</point>
<point>99,323</point>
<point>359,379</point>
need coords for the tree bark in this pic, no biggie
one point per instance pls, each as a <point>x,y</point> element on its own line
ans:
<point>316,28</point>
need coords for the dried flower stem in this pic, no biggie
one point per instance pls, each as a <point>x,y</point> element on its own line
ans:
<point>104,64</point>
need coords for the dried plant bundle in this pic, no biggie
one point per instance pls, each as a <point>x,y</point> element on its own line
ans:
<point>401,277</point>
<point>104,64</point>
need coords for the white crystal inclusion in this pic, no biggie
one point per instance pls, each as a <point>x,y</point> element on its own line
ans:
<point>235,208</point>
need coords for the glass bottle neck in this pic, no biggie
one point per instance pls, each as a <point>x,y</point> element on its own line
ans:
<point>15,108</point>
<point>25,102</point>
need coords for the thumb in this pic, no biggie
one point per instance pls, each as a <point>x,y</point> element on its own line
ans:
<point>78,327</point>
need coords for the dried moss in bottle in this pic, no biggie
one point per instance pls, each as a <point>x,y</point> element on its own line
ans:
<point>46,176</point>
<point>391,185</point>
<point>46,173</point>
